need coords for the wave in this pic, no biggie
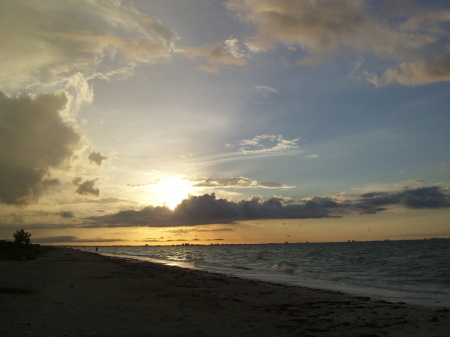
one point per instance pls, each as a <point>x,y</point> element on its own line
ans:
<point>413,267</point>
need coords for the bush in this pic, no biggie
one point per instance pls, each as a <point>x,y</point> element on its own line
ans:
<point>12,251</point>
<point>20,236</point>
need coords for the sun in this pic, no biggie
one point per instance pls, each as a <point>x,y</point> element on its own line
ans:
<point>171,191</point>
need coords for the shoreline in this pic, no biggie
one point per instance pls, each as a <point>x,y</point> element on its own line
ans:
<point>79,293</point>
<point>433,300</point>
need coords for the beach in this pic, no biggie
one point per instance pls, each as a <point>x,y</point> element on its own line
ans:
<point>68,292</point>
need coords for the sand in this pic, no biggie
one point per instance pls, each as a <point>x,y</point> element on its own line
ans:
<point>77,293</point>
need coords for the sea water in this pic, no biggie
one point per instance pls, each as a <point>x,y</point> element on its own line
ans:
<point>415,272</point>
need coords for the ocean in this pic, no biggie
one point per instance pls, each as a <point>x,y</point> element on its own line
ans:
<point>416,272</point>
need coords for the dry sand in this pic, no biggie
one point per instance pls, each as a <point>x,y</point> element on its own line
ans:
<point>77,293</point>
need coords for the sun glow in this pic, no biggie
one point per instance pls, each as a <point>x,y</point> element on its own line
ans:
<point>171,191</point>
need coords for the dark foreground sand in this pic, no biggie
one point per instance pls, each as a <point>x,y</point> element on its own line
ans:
<point>83,294</point>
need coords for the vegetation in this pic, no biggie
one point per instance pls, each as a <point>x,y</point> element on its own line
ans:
<point>16,291</point>
<point>14,251</point>
<point>20,236</point>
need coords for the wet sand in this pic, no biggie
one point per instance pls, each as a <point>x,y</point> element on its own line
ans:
<point>68,292</point>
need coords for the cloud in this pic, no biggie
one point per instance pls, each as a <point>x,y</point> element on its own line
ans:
<point>423,70</point>
<point>67,214</point>
<point>229,52</point>
<point>405,184</point>
<point>266,143</point>
<point>35,140</point>
<point>87,187</point>
<point>422,197</point>
<point>97,158</point>
<point>200,209</point>
<point>148,216</point>
<point>50,42</point>
<point>236,182</point>
<point>207,209</point>
<point>265,90</point>
<point>412,41</point>
<point>216,230</point>
<point>317,26</point>
<point>73,239</point>
<point>102,201</point>
<point>54,44</point>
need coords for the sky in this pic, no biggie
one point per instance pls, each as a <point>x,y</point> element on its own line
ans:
<point>224,121</point>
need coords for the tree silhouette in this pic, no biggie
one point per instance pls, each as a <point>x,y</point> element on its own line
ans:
<point>20,236</point>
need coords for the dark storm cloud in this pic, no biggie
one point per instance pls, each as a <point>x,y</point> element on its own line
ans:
<point>67,214</point>
<point>422,197</point>
<point>202,209</point>
<point>278,208</point>
<point>97,158</point>
<point>34,139</point>
<point>207,209</point>
<point>148,216</point>
<point>87,187</point>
